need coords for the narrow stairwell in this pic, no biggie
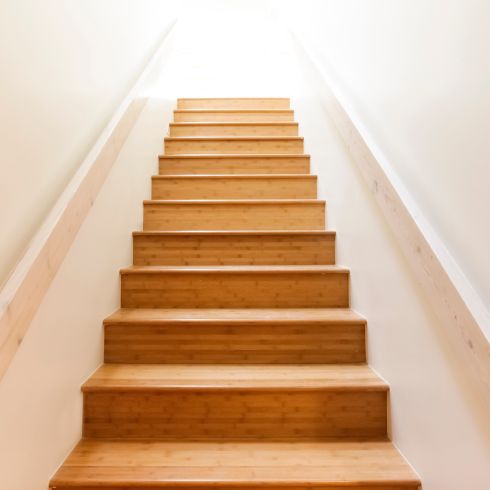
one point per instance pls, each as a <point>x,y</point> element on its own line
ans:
<point>235,360</point>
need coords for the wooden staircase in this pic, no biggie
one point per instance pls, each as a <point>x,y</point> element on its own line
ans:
<point>235,360</point>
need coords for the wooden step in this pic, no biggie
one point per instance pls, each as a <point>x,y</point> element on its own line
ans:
<point>234,103</point>
<point>238,336</point>
<point>234,248</point>
<point>234,145</point>
<point>234,129</point>
<point>234,187</point>
<point>338,465</point>
<point>234,164</point>
<point>233,115</point>
<point>235,287</point>
<point>234,402</point>
<point>258,214</point>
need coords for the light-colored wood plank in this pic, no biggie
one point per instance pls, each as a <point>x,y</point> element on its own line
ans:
<point>238,145</point>
<point>234,215</point>
<point>250,336</point>
<point>248,316</point>
<point>234,402</point>
<point>234,187</point>
<point>235,287</point>
<point>234,248</point>
<point>233,115</point>
<point>233,129</point>
<point>233,103</point>
<point>244,344</point>
<point>297,377</point>
<point>234,164</point>
<point>274,465</point>
<point>211,414</point>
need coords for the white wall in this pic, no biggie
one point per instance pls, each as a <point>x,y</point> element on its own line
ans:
<point>437,421</point>
<point>418,74</point>
<point>65,67</point>
<point>40,398</point>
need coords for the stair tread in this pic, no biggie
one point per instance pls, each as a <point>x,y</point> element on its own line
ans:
<point>235,232</point>
<point>235,110</point>
<point>233,315</point>
<point>228,376</point>
<point>286,269</point>
<point>237,315</point>
<point>181,99</point>
<point>235,155</point>
<point>236,176</point>
<point>232,138</point>
<point>234,201</point>
<point>234,102</point>
<point>168,463</point>
<point>237,123</point>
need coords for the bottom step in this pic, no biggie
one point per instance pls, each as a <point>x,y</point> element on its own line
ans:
<point>120,465</point>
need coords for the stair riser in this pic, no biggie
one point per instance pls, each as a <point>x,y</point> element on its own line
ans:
<point>234,130</point>
<point>233,146</point>
<point>234,116</point>
<point>234,216</point>
<point>234,188</point>
<point>238,103</point>
<point>234,165</point>
<point>206,414</point>
<point>235,344</point>
<point>235,290</point>
<point>234,250</point>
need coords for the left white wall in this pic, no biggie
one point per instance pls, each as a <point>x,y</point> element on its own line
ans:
<point>40,398</point>
<point>65,67</point>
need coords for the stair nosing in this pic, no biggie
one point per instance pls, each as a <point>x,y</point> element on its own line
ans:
<point>236,155</point>
<point>256,484</point>
<point>93,383</point>
<point>253,110</point>
<point>233,138</point>
<point>232,123</point>
<point>234,98</point>
<point>91,388</point>
<point>234,201</point>
<point>235,269</point>
<point>235,176</point>
<point>234,232</point>
<point>356,318</point>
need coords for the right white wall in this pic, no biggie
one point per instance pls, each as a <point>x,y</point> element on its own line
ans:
<point>437,419</point>
<point>417,74</point>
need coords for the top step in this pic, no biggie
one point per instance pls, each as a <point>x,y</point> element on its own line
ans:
<point>233,103</point>
<point>234,115</point>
